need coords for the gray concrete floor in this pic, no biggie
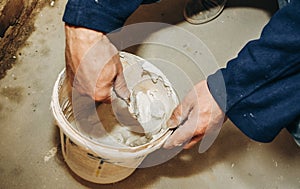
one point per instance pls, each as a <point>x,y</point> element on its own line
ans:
<point>29,137</point>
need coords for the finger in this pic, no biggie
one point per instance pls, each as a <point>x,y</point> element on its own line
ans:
<point>175,118</point>
<point>193,141</point>
<point>120,85</point>
<point>106,100</point>
<point>180,113</point>
<point>184,133</point>
<point>102,91</point>
<point>105,81</point>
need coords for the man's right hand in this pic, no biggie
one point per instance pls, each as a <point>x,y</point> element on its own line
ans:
<point>93,64</point>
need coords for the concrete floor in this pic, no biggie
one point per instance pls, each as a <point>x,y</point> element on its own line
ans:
<point>30,154</point>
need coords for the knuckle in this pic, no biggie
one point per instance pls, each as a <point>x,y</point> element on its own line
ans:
<point>101,95</point>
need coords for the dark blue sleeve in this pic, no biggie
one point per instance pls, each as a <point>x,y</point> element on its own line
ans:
<point>260,89</point>
<point>100,15</point>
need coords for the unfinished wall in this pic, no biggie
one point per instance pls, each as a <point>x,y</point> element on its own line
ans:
<point>11,11</point>
<point>16,24</point>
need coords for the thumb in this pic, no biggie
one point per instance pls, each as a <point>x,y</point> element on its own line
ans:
<point>180,114</point>
<point>120,85</point>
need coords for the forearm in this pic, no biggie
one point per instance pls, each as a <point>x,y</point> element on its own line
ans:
<point>256,88</point>
<point>104,16</point>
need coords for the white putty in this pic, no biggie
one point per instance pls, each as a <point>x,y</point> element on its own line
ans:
<point>149,104</point>
<point>152,101</point>
<point>152,98</point>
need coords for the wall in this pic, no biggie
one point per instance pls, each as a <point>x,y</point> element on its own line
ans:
<point>16,24</point>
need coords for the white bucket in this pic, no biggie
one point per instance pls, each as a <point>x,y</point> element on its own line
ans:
<point>89,159</point>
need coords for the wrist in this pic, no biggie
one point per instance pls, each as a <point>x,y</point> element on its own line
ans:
<point>83,34</point>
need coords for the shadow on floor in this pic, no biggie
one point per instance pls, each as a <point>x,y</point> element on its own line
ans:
<point>185,164</point>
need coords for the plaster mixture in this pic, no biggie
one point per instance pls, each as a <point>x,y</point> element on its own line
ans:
<point>135,123</point>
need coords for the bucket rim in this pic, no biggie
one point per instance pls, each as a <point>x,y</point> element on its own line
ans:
<point>99,148</point>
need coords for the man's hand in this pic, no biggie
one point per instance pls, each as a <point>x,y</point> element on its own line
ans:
<point>196,116</point>
<point>93,64</point>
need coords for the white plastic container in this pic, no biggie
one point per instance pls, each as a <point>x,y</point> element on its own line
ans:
<point>89,159</point>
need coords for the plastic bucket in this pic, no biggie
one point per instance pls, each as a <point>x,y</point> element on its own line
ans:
<point>93,161</point>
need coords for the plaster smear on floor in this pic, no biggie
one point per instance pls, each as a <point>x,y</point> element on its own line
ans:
<point>50,154</point>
